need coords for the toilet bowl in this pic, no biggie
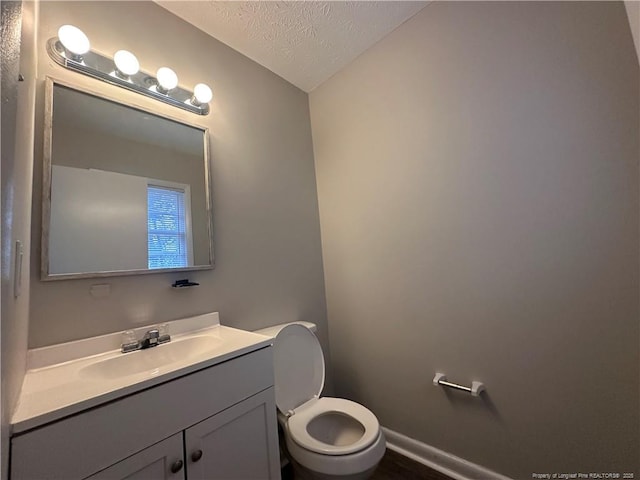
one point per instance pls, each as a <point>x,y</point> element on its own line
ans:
<point>325,437</point>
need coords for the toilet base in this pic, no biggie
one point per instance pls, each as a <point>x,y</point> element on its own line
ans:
<point>296,471</point>
<point>303,473</point>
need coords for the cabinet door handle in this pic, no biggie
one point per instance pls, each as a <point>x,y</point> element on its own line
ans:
<point>197,455</point>
<point>176,466</point>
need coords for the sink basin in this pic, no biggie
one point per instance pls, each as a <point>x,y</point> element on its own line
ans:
<point>151,359</point>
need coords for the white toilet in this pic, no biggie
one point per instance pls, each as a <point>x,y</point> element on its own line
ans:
<point>327,438</point>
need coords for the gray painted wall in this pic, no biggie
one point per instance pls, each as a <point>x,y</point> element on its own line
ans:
<point>18,56</point>
<point>266,227</point>
<point>477,176</point>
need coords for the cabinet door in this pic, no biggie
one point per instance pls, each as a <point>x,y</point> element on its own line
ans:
<point>239,443</point>
<point>161,461</point>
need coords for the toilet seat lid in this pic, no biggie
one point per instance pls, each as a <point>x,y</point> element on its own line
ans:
<point>298,367</point>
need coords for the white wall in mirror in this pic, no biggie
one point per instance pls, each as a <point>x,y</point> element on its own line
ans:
<point>99,221</point>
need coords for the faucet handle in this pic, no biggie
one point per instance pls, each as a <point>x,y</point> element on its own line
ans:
<point>163,329</point>
<point>129,342</point>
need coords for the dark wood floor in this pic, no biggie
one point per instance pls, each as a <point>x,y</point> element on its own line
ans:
<point>393,466</point>
<point>398,467</point>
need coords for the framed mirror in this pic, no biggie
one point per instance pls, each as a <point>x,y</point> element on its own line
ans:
<point>125,191</point>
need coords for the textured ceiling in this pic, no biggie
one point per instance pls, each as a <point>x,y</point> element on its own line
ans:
<point>305,42</point>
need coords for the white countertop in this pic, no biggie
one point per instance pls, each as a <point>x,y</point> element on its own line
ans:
<point>61,379</point>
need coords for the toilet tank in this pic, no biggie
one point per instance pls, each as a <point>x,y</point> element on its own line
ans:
<point>273,331</point>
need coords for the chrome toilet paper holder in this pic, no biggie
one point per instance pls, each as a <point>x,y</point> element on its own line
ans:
<point>475,389</point>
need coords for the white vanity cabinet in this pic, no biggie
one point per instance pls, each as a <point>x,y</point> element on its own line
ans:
<point>216,423</point>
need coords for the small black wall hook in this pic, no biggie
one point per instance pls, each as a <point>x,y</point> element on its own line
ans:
<point>184,283</point>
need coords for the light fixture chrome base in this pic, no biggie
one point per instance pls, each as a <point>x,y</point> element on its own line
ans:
<point>103,68</point>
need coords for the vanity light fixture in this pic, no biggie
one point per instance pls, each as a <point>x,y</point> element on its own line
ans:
<point>72,49</point>
<point>74,41</point>
<point>167,80</point>
<point>126,64</point>
<point>201,94</point>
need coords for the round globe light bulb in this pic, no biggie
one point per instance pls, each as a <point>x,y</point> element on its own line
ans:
<point>202,93</point>
<point>74,39</point>
<point>167,79</point>
<point>126,62</point>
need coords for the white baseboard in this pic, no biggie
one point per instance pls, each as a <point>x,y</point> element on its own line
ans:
<point>455,467</point>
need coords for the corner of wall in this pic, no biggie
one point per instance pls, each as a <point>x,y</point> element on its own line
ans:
<point>633,13</point>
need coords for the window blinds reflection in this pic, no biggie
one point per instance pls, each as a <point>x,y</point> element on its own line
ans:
<point>167,227</point>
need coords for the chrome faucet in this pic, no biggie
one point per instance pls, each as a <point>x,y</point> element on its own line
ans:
<point>150,339</point>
